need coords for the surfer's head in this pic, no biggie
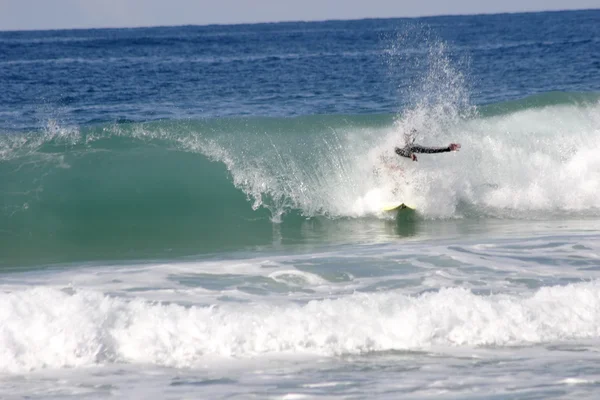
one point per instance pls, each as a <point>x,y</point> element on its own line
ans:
<point>409,138</point>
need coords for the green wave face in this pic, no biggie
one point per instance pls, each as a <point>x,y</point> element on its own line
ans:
<point>186,187</point>
<point>125,202</point>
<point>151,190</point>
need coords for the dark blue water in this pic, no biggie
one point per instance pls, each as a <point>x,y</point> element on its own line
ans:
<point>339,67</point>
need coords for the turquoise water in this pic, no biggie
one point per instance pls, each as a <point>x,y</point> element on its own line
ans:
<point>197,211</point>
<point>181,188</point>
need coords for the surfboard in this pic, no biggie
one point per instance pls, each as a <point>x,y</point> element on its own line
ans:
<point>400,212</point>
<point>397,207</point>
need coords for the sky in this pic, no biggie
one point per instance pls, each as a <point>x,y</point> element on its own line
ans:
<point>67,14</point>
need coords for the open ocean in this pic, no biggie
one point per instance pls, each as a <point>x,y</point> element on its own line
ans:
<point>195,212</point>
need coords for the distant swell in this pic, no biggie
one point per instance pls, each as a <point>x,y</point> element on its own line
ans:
<point>541,100</point>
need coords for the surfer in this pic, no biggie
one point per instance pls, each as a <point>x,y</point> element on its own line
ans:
<point>410,148</point>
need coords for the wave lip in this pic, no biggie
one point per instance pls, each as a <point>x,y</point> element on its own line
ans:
<point>50,328</point>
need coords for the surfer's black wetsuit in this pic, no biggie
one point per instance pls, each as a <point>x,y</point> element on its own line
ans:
<point>408,150</point>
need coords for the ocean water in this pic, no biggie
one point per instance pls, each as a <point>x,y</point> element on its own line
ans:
<point>196,212</point>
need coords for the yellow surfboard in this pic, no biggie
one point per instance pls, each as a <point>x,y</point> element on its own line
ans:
<point>397,207</point>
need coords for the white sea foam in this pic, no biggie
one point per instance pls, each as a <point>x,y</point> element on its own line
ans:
<point>50,328</point>
<point>520,164</point>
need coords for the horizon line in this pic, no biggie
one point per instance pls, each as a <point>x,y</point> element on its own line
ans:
<point>291,21</point>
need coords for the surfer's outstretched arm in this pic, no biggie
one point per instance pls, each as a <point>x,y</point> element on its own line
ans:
<point>409,151</point>
<point>423,149</point>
